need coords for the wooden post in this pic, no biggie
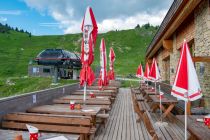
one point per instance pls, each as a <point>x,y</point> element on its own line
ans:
<point>188,108</point>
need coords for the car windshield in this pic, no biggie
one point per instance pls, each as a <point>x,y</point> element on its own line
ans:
<point>51,53</point>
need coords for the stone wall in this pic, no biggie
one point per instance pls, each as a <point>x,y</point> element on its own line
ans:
<point>174,58</point>
<point>160,65</point>
<point>202,47</point>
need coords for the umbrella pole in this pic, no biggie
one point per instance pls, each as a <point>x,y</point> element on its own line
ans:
<point>160,106</point>
<point>155,88</point>
<point>185,127</point>
<point>85,92</point>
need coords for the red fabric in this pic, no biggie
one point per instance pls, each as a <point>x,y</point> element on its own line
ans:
<point>182,76</point>
<point>91,54</point>
<point>87,74</point>
<point>152,72</point>
<point>111,75</point>
<point>95,27</point>
<point>146,73</point>
<point>112,55</point>
<point>139,71</point>
<point>34,136</point>
<point>103,63</point>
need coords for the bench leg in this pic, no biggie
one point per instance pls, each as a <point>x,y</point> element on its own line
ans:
<point>82,137</point>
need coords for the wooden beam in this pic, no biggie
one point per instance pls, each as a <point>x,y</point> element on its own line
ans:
<point>165,55</point>
<point>168,45</point>
<point>201,59</point>
<point>149,61</point>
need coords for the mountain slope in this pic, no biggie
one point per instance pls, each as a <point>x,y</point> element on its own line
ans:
<point>18,49</point>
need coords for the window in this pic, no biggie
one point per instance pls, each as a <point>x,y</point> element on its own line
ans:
<point>46,70</point>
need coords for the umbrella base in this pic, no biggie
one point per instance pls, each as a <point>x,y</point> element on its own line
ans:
<point>160,123</point>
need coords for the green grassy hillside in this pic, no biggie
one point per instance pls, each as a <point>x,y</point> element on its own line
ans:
<point>18,49</point>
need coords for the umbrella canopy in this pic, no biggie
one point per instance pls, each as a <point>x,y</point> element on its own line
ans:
<point>186,85</point>
<point>139,72</point>
<point>146,72</point>
<point>154,73</point>
<point>111,64</point>
<point>103,73</point>
<point>90,30</point>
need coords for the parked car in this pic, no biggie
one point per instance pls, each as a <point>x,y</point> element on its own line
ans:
<point>58,57</point>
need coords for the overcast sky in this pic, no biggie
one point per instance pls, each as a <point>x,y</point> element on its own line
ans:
<point>65,16</point>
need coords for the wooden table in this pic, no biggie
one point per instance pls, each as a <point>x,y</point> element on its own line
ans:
<point>87,102</point>
<point>65,110</point>
<point>105,88</point>
<point>78,97</point>
<point>167,104</point>
<point>96,93</point>
<point>11,134</point>
<point>198,130</point>
<point>103,107</point>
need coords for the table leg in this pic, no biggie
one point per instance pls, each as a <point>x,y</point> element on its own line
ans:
<point>167,111</point>
<point>154,107</point>
<point>94,120</point>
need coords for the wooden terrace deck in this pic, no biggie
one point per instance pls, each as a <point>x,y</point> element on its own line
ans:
<point>122,124</point>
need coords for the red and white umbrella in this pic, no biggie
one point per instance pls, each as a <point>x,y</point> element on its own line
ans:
<point>186,85</point>
<point>139,72</point>
<point>90,30</point>
<point>103,81</point>
<point>111,64</point>
<point>146,72</point>
<point>154,73</point>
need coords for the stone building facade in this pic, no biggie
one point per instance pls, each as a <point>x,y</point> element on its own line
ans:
<point>188,20</point>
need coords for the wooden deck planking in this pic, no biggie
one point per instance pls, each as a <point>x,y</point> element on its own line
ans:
<point>122,123</point>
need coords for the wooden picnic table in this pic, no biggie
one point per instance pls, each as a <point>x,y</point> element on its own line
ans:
<point>103,107</point>
<point>11,134</point>
<point>65,110</point>
<point>104,88</point>
<point>198,130</point>
<point>167,104</point>
<point>87,102</point>
<point>78,97</point>
<point>96,93</point>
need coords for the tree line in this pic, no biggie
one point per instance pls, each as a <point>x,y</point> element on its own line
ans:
<point>5,29</point>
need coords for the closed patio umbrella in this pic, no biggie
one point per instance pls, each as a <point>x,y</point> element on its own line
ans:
<point>111,64</point>
<point>186,85</point>
<point>103,81</point>
<point>139,72</point>
<point>90,30</point>
<point>154,73</point>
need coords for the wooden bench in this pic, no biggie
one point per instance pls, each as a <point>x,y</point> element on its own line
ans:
<point>143,106</point>
<point>137,109</point>
<point>102,119</point>
<point>157,131</point>
<point>51,123</point>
